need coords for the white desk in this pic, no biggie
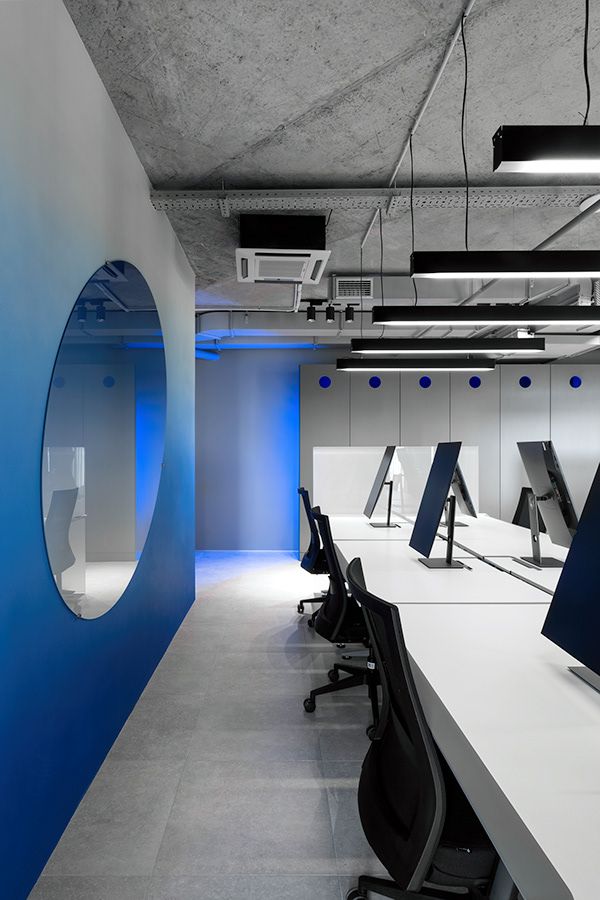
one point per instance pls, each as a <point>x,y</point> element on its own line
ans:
<point>544,578</point>
<point>486,536</point>
<point>393,572</point>
<point>522,735</point>
<point>357,528</point>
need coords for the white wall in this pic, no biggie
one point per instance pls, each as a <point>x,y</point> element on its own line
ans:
<point>492,417</point>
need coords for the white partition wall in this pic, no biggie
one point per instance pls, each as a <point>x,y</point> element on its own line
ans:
<point>524,416</point>
<point>575,425</point>
<point>374,409</point>
<point>475,420</point>
<point>424,410</point>
<point>514,403</point>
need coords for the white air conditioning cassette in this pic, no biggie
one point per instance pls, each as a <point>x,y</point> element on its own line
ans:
<point>280,266</point>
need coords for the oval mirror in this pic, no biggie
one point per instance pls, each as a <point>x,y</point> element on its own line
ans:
<point>103,439</point>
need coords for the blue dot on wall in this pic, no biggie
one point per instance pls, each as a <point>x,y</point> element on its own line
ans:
<point>325,381</point>
<point>59,381</point>
<point>575,381</point>
<point>108,381</point>
<point>425,381</point>
<point>375,381</point>
<point>525,381</point>
<point>475,381</point>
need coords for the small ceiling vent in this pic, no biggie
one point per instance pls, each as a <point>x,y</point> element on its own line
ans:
<point>281,249</point>
<point>280,267</point>
<point>350,288</point>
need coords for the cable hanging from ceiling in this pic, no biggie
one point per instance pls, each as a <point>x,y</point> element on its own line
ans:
<point>412,212</point>
<point>463,129</point>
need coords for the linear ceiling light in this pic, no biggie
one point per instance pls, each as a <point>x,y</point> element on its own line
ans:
<point>547,149</point>
<point>474,316</point>
<point>389,347</point>
<point>412,365</point>
<point>488,264</point>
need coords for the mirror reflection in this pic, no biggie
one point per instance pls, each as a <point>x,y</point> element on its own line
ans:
<point>103,439</point>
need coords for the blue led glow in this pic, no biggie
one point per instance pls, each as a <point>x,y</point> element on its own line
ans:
<point>425,381</point>
<point>325,381</point>
<point>575,381</point>
<point>108,381</point>
<point>525,381</point>
<point>375,381</point>
<point>475,381</point>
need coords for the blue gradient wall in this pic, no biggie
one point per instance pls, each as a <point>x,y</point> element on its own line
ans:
<point>74,195</point>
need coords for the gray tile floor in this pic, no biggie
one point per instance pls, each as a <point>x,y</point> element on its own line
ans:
<point>220,786</point>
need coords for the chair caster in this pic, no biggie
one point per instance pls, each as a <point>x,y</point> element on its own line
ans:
<point>311,622</point>
<point>333,675</point>
<point>355,894</point>
<point>370,732</point>
<point>300,608</point>
<point>310,705</point>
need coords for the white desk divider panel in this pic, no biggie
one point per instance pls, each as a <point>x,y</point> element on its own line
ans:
<point>424,411</point>
<point>343,478</point>
<point>324,421</point>
<point>524,416</point>
<point>575,425</point>
<point>374,408</point>
<point>475,420</point>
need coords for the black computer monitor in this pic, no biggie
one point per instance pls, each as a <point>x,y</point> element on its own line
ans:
<point>573,620</point>
<point>432,505</point>
<point>382,472</point>
<point>552,496</point>
<point>463,496</point>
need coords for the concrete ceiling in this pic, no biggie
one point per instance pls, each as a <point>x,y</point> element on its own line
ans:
<point>276,93</point>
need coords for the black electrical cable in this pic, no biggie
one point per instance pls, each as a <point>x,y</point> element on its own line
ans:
<point>361,290</point>
<point>586,36</point>
<point>328,219</point>
<point>381,263</point>
<point>462,130</point>
<point>412,212</point>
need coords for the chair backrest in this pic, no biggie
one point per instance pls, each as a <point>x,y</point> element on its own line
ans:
<point>58,522</point>
<point>314,558</point>
<point>339,618</point>
<point>401,795</point>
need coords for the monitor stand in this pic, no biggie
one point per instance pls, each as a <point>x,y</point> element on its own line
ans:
<point>586,675</point>
<point>444,524</point>
<point>388,522</point>
<point>448,562</point>
<point>542,562</point>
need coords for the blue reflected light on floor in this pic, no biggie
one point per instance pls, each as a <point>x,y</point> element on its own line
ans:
<point>213,567</point>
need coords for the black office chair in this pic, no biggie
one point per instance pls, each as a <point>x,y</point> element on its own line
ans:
<point>341,621</point>
<point>313,560</point>
<point>413,812</point>
<point>58,523</point>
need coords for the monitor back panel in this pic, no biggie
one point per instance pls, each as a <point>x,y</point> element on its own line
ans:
<point>434,497</point>
<point>546,479</point>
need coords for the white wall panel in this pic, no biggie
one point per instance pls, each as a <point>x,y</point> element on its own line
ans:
<point>524,416</point>
<point>374,412</point>
<point>324,421</point>
<point>575,425</point>
<point>424,412</point>
<point>475,420</point>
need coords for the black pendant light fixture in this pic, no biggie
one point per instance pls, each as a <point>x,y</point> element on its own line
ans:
<point>552,149</point>
<point>488,264</point>
<point>373,347</point>
<point>504,314</point>
<point>419,364</point>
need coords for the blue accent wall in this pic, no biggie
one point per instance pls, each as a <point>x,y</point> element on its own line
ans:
<point>74,196</point>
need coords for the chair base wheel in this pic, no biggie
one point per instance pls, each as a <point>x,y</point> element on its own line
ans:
<point>355,894</point>
<point>310,705</point>
<point>300,608</point>
<point>370,732</point>
<point>311,622</point>
<point>333,675</point>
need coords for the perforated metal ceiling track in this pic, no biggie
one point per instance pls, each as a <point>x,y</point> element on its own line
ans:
<point>393,201</point>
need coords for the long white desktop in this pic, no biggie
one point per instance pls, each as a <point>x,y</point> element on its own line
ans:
<point>521,733</point>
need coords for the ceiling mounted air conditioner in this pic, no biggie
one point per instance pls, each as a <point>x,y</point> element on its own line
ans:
<point>281,249</point>
<point>349,288</point>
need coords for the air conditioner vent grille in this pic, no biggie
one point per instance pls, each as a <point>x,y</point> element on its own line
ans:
<point>350,288</point>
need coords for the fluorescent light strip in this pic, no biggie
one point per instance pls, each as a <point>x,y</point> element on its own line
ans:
<point>568,149</point>
<point>489,264</point>
<point>415,365</point>
<point>389,347</point>
<point>474,316</point>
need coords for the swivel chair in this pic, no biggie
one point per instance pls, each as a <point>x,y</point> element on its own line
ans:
<point>413,812</point>
<point>58,523</point>
<point>313,560</point>
<point>341,621</point>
